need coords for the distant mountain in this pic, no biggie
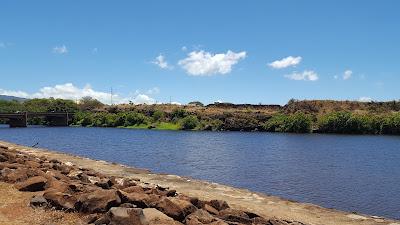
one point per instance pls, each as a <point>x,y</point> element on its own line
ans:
<point>10,98</point>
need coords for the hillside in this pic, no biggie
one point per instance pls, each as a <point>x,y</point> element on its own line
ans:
<point>325,116</point>
<point>10,98</point>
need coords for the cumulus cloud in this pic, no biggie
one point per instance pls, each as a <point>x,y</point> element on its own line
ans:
<point>286,62</point>
<point>20,94</point>
<point>161,62</point>
<point>153,91</point>
<point>60,49</point>
<point>201,63</point>
<point>365,99</point>
<point>70,91</point>
<point>347,74</point>
<point>143,99</point>
<point>307,75</point>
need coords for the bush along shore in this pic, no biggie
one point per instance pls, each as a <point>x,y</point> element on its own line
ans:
<point>101,199</point>
<point>343,117</point>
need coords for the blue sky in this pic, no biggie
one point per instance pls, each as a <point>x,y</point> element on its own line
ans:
<point>231,51</point>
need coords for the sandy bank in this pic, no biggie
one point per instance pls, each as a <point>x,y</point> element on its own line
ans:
<point>266,206</point>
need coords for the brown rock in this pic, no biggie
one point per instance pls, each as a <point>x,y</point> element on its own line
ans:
<point>98,201</point>
<point>218,204</point>
<point>59,186</point>
<point>200,217</point>
<point>131,189</point>
<point>8,156</point>
<point>32,164</point>
<point>64,169</point>
<point>195,201</point>
<point>18,175</point>
<point>154,217</point>
<point>61,201</point>
<point>32,184</point>
<point>100,182</point>
<point>125,216</point>
<point>142,200</point>
<point>9,165</point>
<point>3,158</point>
<point>282,222</point>
<point>56,174</point>
<point>233,215</point>
<point>38,201</point>
<point>210,209</point>
<point>122,183</point>
<point>175,208</point>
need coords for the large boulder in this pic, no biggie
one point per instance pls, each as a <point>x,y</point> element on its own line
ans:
<point>125,216</point>
<point>141,200</point>
<point>98,201</point>
<point>210,209</point>
<point>178,209</point>
<point>18,175</point>
<point>200,217</point>
<point>233,215</point>
<point>121,183</point>
<point>218,204</point>
<point>32,184</point>
<point>132,189</point>
<point>61,201</point>
<point>153,216</point>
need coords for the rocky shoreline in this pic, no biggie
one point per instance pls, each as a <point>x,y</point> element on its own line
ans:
<point>103,197</point>
<point>114,200</point>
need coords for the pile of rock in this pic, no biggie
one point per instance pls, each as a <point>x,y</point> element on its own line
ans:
<point>113,200</point>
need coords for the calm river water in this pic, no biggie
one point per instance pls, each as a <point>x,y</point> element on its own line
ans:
<point>352,173</point>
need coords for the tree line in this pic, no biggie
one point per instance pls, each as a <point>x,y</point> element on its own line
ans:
<point>90,112</point>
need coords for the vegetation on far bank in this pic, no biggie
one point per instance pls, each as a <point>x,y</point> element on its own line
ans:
<point>297,116</point>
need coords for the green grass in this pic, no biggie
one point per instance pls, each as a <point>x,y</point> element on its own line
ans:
<point>158,126</point>
<point>140,126</point>
<point>167,126</point>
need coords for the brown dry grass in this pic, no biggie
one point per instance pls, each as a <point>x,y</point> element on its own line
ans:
<point>14,210</point>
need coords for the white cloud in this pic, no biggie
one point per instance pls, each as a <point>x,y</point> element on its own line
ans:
<point>286,62</point>
<point>153,91</point>
<point>143,99</point>
<point>201,63</point>
<point>347,74</point>
<point>307,75</point>
<point>20,94</point>
<point>70,91</point>
<point>184,48</point>
<point>365,99</point>
<point>60,49</point>
<point>161,62</point>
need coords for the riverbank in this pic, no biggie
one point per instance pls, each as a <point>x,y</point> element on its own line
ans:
<point>263,205</point>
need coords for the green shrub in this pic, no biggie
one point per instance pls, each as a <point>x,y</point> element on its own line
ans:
<point>189,122</point>
<point>134,118</point>
<point>295,123</point>
<point>178,114</point>
<point>158,115</point>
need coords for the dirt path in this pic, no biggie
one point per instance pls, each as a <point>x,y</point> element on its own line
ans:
<point>14,210</point>
<point>267,206</point>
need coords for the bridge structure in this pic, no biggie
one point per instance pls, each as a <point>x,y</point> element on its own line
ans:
<point>20,119</point>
